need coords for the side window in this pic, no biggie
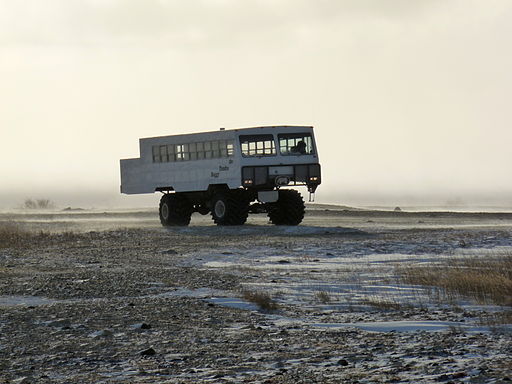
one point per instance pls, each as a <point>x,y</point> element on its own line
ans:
<point>156,154</point>
<point>170,153</point>
<point>193,151</point>
<point>223,152</point>
<point>163,153</point>
<point>208,150</point>
<point>180,152</point>
<point>201,150</point>
<point>226,148</point>
<point>230,146</point>
<point>295,144</point>
<point>215,149</point>
<point>257,145</point>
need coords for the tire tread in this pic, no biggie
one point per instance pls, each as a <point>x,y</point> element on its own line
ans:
<point>288,210</point>
<point>180,210</point>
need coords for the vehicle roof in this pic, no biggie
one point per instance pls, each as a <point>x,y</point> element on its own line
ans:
<point>266,127</point>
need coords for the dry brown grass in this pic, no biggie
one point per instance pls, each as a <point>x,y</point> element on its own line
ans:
<point>11,235</point>
<point>485,280</point>
<point>383,304</point>
<point>496,318</point>
<point>261,299</point>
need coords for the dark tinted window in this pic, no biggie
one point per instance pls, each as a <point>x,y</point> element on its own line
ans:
<point>258,145</point>
<point>295,144</point>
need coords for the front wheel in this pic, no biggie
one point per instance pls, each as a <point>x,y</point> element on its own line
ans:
<point>175,210</point>
<point>289,208</point>
<point>230,207</point>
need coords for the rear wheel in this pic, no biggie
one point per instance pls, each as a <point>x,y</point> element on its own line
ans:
<point>175,210</point>
<point>230,207</point>
<point>288,210</point>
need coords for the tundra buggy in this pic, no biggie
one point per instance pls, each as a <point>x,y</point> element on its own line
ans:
<point>228,173</point>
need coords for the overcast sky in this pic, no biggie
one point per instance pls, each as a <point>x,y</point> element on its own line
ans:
<point>408,98</point>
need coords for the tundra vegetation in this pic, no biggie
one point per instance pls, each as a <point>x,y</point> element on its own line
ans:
<point>485,280</point>
<point>261,299</point>
<point>12,235</point>
<point>17,236</point>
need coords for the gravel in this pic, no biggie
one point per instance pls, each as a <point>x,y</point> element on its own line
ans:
<point>145,305</point>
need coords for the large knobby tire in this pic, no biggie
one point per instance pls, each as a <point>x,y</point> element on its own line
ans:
<point>288,210</point>
<point>175,210</point>
<point>230,207</point>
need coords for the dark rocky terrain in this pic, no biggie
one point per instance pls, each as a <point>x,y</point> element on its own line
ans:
<point>112,297</point>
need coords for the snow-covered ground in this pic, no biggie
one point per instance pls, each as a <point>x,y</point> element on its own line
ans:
<point>343,312</point>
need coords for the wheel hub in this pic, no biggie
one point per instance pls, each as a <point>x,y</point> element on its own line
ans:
<point>165,211</point>
<point>220,208</point>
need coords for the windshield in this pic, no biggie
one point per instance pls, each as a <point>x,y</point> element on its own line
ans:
<point>296,144</point>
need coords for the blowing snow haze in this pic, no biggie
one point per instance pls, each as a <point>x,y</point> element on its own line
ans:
<point>409,99</point>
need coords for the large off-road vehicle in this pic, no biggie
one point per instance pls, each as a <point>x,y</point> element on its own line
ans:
<point>229,173</point>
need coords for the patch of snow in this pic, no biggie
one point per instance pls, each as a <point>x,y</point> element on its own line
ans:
<point>405,326</point>
<point>11,301</point>
<point>233,302</point>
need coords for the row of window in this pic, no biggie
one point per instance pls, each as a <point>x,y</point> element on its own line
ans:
<point>257,145</point>
<point>251,145</point>
<point>289,144</point>
<point>192,151</point>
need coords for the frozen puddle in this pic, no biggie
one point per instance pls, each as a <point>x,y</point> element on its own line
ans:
<point>404,326</point>
<point>233,302</point>
<point>200,293</point>
<point>30,301</point>
<point>213,296</point>
<point>223,299</point>
<point>395,326</point>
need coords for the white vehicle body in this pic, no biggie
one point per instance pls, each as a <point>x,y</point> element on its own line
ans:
<point>234,158</point>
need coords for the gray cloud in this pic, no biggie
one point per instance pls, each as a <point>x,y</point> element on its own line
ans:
<point>178,22</point>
